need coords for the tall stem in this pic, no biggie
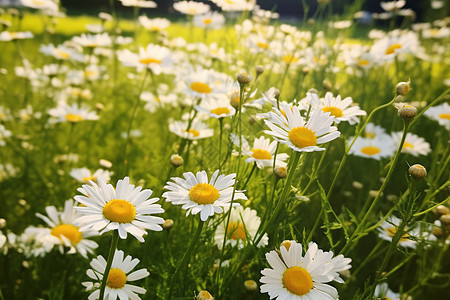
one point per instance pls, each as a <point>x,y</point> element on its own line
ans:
<point>112,250</point>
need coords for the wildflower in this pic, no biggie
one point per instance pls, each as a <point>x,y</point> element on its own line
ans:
<point>392,5</point>
<point>154,24</point>
<point>93,41</point>
<point>203,82</point>
<point>440,113</point>
<point>250,285</point>
<point>341,110</point>
<point>61,52</point>
<point>235,5</point>
<point>155,58</point>
<point>191,7</point>
<point>407,112</point>
<point>4,134</point>
<point>198,130</point>
<point>72,114</point>
<point>299,134</point>
<point>209,20</point>
<point>176,160</point>
<point>139,3</point>
<point>10,36</point>
<point>125,208</point>
<point>402,88</point>
<point>413,144</point>
<point>388,229</point>
<point>376,148</point>
<point>119,275</point>
<point>390,46</point>
<point>84,175</point>
<point>197,195</point>
<point>382,291</point>
<point>417,171</point>
<point>64,233</point>
<point>294,276</point>
<point>217,106</point>
<point>41,4</point>
<point>242,227</point>
<point>204,295</point>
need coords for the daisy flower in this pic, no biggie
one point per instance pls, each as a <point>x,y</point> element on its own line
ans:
<point>392,5</point>
<point>93,41</point>
<point>382,291</point>
<point>294,276</point>
<point>119,275</point>
<point>372,131</point>
<point>4,134</point>
<point>388,229</point>
<point>218,106</point>
<point>155,24</point>
<point>203,82</point>
<point>9,36</point>
<point>388,47</point>
<point>62,232</point>
<point>156,58</point>
<point>41,4</point>
<point>84,175</point>
<point>262,153</point>
<point>341,110</point>
<point>191,7</point>
<point>139,3</point>
<point>440,113</point>
<point>299,134</point>
<point>198,130</point>
<point>72,114</point>
<point>125,208</point>
<point>242,227</point>
<point>7,171</point>
<point>61,52</point>
<point>414,145</point>
<point>235,5</point>
<point>376,148</point>
<point>210,20</point>
<point>198,195</point>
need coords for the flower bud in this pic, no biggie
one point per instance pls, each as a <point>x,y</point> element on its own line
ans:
<point>441,210</point>
<point>2,223</point>
<point>243,78</point>
<point>326,84</point>
<point>357,185</point>
<point>176,160</point>
<point>250,285</point>
<point>168,224</point>
<point>280,172</point>
<point>306,70</point>
<point>204,295</point>
<point>99,107</point>
<point>259,70</point>
<point>402,88</point>
<point>105,163</point>
<point>313,91</point>
<point>417,171</point>
<point>407,112</point>
<point>445,220</point>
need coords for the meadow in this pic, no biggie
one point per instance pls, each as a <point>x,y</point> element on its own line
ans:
<point>224,154</point>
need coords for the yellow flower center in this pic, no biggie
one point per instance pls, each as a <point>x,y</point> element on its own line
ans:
<point>86,179</point>
<point>363,62</point>
<point>229,1</point>
<point>261,45</point>
<point>201,87</point>
<point>297,281</point>
<point>88,73</point>
<point>261,154</point>
<point>207,21</point>
<point>302,137</point>
<point>392,48</point>
<point>195,133</point>
<point>370,135</point>
<point>147,61</point>
<point>236,231</point>
<point>391,231</point>
<point>220,110</point>
<point>38,2</point>
<point>119,210</point>
<point>204,295</point>
<point>334,111</point>
<point>289,59</point>
<point>62,54</point>
<point>116,278</point>
<point>370,150</point>
<point>154,28</point>
<point>407,145</point>
<point>445,116</point>
<point>204,193</point>
<point>69,231</point>
<point>286,244</point>
<point>73,118</point>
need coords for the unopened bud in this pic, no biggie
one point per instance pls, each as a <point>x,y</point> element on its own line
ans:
<point>105,16</point>
<point>259,70</point>
<point>280,172</point>
<point>306,70</point>
<point>99,107</point>
<point>311,22</point>
<point>357,185</point>
<point>407,112</point>
<point>2,223</point>
<point>176,160</point>
<point>243,78</point>
<point>22,202</point>
<point>373,193</point>
<point>445,220</point>
<point>204,295</point>
<point>417,171</point>
<point>402,88</point>
<point>105,163</point>
<point>326,84</point>
<point>441,210</point>
<point>250,285</point>
<point>168,224</point>
<point>276,93</point>
<point>313,91</point>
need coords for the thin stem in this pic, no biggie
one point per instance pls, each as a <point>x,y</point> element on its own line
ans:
<point>220,137</point>
<point>186,256</point>
<point>112,250</point>
<point>249,176</point>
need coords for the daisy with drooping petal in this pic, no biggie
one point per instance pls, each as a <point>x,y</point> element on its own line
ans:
<point>84,175</point>
<point>64,233</point>
<point>299,134</point>
<point>71,113</point>
<point>440,113</point>
<point>341,110</point>
<point>191,7</point>
<point>388,229</point>
<point>156,58</point>
<point>125,208</point>
<point>119,275</point>
<point>217,106</point>
<point>262,153</point>
<point>297,277</point>
<point>198,130</point>
<point>414,145</point>
<point>242,228</point>
<point>198,195</point>
<point>376,148</point>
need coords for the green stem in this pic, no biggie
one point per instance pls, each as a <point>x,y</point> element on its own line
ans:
<point>249,176</point>
<point>112,250</point>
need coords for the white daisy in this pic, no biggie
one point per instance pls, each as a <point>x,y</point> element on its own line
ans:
<point>203,82</point>
<point>376,148</point>
<point>372,131</point>
<point>156,58</point>
<point>41,4</point>
<point>197,195</point>
<point>198,130</point>
<point>84,175</point>
<point>414,145</point>
<point>341,110</point>
<point>4,134</point>
<point>217,106</point>
<point>242,228</point>
<point>392,5</point>
<point>388,229</point>
<point>440,113</point>
<point>154,24</point>
<point>297,277</point>
<point>390,46</point>
<point>210,20</point>
<point>191,7</point>
<point>382,291</point>
<point>139,3</point>
<point>10,36</point>
<point>125,208</point>
<point>71,113</point>
<point>64,233</point>
<point>118,277</point>
<point>262,153</point>
<point>299,134</point>
<point>61,52</point>
<point>93,41</point>
<point>235,5</point>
